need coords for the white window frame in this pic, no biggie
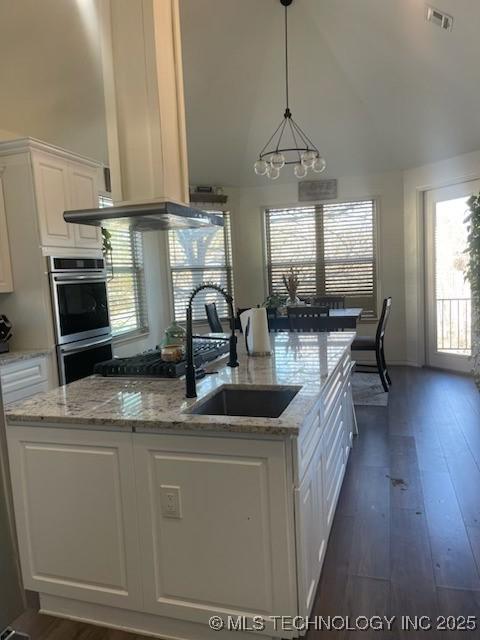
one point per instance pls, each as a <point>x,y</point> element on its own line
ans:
<point>229,268</point>
<point>376,236</point>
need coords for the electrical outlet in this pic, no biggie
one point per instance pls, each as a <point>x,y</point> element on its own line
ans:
<point>171,502</point>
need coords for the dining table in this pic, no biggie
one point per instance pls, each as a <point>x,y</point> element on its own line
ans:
<point>337,320</point>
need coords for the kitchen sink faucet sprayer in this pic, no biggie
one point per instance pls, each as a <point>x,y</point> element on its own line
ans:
<point>191,387</point>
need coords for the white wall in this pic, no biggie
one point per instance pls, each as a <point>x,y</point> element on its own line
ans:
<point>247,207</point>
<point>416,181</point>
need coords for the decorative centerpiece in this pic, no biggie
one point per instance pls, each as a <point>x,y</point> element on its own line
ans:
<point>5,333</point>
<point>472,273</point>
<point>291,281</point>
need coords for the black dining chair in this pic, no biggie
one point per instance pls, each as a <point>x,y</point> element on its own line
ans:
<point>212,318</point>
<point>303,319</point>
<point>367,343</point>
<point>332,302</point>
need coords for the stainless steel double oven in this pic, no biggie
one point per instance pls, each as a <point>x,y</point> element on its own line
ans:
<point>80,311</point>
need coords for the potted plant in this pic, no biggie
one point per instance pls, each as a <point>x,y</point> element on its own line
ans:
<point>472,273</point>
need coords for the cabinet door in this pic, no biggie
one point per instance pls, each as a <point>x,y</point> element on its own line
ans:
<point>348,416</point>
<point>84,195</point>
<point>6,281</point>
<point>311,531</point>
<point>21,380</point>
<point>52,189</point>
<point>230,546</point>
<point>75,511</point>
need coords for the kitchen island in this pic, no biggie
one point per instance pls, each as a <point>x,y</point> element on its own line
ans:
<point>134,513</point>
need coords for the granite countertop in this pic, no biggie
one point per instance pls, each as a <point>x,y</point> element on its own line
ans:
<point>147,404</point>
<point>10,357</point>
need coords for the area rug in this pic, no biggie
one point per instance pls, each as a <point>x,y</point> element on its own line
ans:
<point>367,390</point>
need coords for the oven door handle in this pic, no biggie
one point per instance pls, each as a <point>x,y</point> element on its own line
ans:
<point>72,280</point>
<point>73,348</point>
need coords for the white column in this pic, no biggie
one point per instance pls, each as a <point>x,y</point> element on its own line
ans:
<point>142,69</point>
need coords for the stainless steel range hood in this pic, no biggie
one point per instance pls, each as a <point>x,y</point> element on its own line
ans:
<point>149,216</point>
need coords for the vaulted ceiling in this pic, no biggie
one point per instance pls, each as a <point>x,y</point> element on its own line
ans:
<point>374,85</point>
<point>51,84</point>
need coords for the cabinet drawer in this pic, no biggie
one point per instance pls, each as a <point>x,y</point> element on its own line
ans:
<point>333,483</point>
<point>332,392</point>
<point>334,444</point>
<point>310,434</point>
<point>23,379</point>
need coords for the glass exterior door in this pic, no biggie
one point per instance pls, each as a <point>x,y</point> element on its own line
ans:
<point>449,309</point>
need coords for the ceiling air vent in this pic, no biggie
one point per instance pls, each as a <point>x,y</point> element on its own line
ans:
<point>442,20</point>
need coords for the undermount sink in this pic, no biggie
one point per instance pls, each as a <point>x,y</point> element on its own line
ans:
<point>255,403</point>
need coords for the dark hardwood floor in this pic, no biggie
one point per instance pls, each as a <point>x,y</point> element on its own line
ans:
<point>406,535</point>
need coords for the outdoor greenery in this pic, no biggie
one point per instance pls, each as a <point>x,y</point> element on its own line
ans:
<point>472,273</point>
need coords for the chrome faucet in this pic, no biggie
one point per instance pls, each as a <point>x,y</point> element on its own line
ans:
<point>191,387</point>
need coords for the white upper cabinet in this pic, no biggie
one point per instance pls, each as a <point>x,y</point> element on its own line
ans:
<point>84,195</point>
<point>52,187</point>
<point>55,181</point>
<point>62,184</point>
<point>6,280</point>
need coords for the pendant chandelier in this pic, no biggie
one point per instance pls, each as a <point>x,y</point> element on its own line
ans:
<point>289,144</point>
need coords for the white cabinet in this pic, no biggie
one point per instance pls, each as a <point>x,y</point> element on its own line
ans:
<point>76,514</point>
<point>23,379</point>
<point>53,198</point>
<point>6,280</point>
<point>84,195</point>
<point>322,452</point>
<point>60,185</point>
<point>311,530</point>
<point>163,530</point>
<point>232,547</point>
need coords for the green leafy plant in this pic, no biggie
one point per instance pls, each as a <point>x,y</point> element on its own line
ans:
<point>472,273</point>
<point>106,242</point>
<point>275,301</point>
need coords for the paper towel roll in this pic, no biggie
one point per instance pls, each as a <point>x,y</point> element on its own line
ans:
<point>255,329</point>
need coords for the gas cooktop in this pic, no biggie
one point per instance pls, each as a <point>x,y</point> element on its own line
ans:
<point>150,363</point>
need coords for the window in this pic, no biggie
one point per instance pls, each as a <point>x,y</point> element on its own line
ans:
<point>127,300</point>
<point>332,245</point>
<point>196,256</point>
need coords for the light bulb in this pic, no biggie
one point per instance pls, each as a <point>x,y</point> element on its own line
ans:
<point>273,172</point>
<point>308,158</point>
<point>300,170</point>
<point>319,165</point>
<point>277,160</point>
<point>260,167</point>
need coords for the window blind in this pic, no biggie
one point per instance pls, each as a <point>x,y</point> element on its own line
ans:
<point>332,246</point>
<point>127,298</point>
<point>196,256</point>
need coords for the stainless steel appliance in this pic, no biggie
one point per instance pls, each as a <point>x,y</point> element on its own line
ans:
<point>151,364</point>
<point>151,216</point>
<point>12,597</point>
<point>80,311</point>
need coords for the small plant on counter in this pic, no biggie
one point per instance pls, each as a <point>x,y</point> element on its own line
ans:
<point>291,280</point>
<point>472,274</point>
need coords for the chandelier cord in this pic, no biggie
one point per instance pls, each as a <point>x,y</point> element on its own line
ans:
<point>286,58</point>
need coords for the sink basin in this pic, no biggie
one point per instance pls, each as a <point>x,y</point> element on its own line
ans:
<point>257,403</point>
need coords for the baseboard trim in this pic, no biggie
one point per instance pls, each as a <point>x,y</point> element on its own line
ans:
<point>136,622</point>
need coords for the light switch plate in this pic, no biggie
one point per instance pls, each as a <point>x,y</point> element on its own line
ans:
<point>170,501</point>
